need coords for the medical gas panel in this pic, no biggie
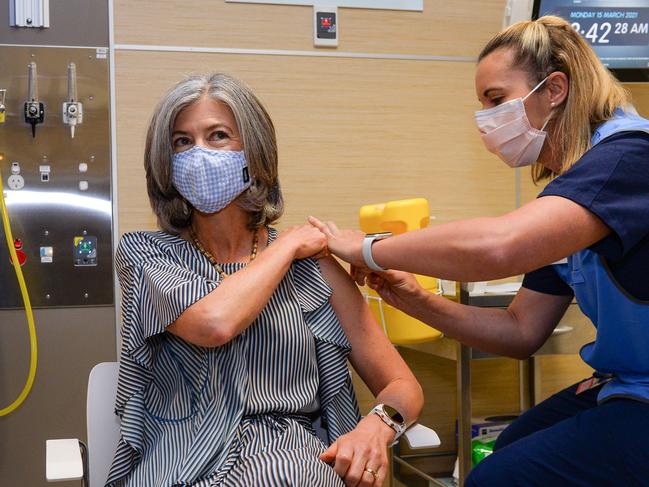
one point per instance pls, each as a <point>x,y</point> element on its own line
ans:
<point>55,162</point>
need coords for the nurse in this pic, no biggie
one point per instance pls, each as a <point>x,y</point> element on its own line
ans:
<point>547,100</point>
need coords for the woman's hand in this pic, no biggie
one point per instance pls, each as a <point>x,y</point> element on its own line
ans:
<point>345,244</point>
<point>305,240</point>
<point>360,457</point>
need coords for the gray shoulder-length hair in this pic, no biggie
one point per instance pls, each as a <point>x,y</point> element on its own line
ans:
<point>263,200</point>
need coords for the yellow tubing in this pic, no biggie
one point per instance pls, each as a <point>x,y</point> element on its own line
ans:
<point>33,360</point>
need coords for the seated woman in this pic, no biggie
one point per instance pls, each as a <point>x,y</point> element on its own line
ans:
<point>234,338</point>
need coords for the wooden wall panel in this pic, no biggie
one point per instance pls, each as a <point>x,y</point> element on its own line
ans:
<point>350,131</point>
<point>456,28</point>
<point>640,94</point>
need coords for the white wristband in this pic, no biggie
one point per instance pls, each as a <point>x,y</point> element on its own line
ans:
<point>367,250</point>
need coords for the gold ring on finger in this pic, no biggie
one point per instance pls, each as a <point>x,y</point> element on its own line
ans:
<point>373,473</point>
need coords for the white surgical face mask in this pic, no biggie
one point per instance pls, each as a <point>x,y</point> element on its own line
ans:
<point>506,131</point>
<point>210,179</point>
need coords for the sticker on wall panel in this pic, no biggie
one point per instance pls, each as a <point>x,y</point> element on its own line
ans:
<point>47,255</point>
<point>85,251</point>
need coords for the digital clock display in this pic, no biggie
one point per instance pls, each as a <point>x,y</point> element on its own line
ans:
<point>618,31</point>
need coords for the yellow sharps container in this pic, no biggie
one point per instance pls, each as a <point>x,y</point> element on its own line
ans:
<point>399,216</point>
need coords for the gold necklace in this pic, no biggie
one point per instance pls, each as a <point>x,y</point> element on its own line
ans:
<point>210,257</point>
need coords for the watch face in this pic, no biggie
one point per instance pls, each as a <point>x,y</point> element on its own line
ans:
<point>393,414</point>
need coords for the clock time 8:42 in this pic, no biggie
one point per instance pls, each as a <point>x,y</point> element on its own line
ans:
<point>601,33</point>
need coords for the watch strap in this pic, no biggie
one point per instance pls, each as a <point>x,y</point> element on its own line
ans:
<point>367,251</point>
<point>399,428</point>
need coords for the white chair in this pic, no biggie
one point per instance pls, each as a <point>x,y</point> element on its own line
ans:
<point>69,459</point>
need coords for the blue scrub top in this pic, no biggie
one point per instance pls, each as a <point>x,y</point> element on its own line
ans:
<point>609,278</point>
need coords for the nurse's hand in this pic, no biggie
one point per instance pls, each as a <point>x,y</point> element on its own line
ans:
<point>345,244</point>
<point>360,456</point>
<point>396,288</point>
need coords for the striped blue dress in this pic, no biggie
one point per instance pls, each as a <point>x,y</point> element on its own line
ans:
<point>230,415</point>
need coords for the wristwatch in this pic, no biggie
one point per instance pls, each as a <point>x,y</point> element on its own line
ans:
<point>370,238</point>
<point>391,417</point>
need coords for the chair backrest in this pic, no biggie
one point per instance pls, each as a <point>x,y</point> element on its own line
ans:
<point>103,424</point>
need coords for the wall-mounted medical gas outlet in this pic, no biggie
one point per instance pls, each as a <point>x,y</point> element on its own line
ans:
<point>325,26</point>
<point>34,109</point>
<point>20,253</point>
<point>85,251</point>
<point>57,188</point>
<point>3,108</point>
<point>72,108</point>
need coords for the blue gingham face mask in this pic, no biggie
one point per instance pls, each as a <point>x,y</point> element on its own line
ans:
<point>210,179</point>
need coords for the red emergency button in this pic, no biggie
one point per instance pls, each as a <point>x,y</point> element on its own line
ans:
<point>22,257</point>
